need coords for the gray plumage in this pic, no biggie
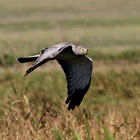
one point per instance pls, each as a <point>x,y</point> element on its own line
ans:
<point>76,65</point>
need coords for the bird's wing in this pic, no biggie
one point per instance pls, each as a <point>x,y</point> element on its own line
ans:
<point>28,59</point>
<point>78,74</point>
<point>48,54</point>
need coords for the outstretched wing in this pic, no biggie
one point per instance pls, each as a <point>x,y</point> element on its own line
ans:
<point>28,59</point>
<point>48,54</point>
<point>78,74</point>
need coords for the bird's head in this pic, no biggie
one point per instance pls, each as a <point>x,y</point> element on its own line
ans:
<point>79,49</point>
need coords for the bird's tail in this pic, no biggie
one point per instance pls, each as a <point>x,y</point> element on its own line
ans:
<point>28,59</point>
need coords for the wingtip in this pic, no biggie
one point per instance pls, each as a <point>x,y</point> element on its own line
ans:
<point>20,60</point>
<point>71,107</point>
<point>68,99</point>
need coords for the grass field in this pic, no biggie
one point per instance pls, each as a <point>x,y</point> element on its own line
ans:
<point>33,107</point>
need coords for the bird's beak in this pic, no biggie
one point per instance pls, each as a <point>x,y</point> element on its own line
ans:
<point>86,51</point>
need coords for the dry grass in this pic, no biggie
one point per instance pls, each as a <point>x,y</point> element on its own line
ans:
<point>53,121</point>
<point>109,111</point>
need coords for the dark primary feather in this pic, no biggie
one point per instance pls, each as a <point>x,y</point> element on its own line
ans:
<point>76,98</point>
<point>78,74</point>
<point>27,59</point>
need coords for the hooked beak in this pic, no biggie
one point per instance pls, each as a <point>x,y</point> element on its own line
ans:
<point>86,51</point>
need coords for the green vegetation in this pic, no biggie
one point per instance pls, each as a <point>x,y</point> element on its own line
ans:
<point>33,107</point>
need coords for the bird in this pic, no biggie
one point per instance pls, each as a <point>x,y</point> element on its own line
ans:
<point>75,64</point>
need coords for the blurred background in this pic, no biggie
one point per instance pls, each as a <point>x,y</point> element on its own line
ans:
<point>33,107</point>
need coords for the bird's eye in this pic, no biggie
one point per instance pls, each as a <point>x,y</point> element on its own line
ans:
<point>82,50</point>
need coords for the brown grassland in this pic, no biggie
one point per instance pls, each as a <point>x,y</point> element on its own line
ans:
<point>33,107</point>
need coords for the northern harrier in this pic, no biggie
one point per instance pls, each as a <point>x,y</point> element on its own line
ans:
<point>76,65</point>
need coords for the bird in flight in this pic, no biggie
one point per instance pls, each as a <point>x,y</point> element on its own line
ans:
<point>77,68</point>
